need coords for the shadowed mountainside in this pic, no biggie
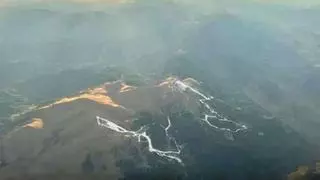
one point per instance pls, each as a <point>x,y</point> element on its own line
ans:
<point>64,137</point>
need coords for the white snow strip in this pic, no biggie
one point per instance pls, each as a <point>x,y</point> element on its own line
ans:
<point>183,87</point>
<point>141,133</point>
<point>168,135</point>
<point>168,127</point>
<point>213,114</point>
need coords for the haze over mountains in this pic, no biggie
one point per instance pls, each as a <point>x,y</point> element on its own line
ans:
<point>259,57</point>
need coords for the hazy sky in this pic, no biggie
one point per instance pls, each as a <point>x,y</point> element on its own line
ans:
<point>303,3</point>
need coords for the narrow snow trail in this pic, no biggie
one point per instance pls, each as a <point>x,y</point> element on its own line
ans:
<point>212,114</point>
<point>168,127</point>
<point>141,133</point>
